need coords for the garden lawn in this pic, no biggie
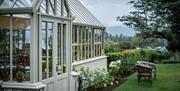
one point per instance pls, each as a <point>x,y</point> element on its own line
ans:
<point>168,79</point>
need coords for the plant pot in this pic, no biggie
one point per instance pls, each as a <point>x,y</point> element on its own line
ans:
<point>20,76</point>
<point>5,78</point>
<point>19,79</point>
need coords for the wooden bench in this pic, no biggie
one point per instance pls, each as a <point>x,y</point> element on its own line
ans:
<point>144,73</point>
<point>149,64</point>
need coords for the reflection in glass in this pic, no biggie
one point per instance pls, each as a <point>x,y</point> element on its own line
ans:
<point>4,45</point>
<point>89,42</point>
<point>16,3</point>
<point>61,64</point>
<point>44,47</point>
<point>50,47</point>
<point>21,45</point>
<point>47,48</point>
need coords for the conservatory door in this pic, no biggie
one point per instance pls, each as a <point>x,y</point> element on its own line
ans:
<point>61,70</point>
<point>53,52</point>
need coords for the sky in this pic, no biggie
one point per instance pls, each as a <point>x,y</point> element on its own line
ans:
<point>106,11</point>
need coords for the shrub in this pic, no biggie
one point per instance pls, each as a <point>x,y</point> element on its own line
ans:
<point>96,79</point>
<point>120,68</point>
<point>115,68</point>
<point>138,55</point>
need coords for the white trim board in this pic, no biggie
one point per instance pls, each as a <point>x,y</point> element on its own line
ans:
<point>28,85</point>
<point>89,60</point>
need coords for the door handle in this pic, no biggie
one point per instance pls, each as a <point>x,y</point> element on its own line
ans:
<point>58,68</point>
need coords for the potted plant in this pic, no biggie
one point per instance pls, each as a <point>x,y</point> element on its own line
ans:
<point>5,74</point>
<point>20,76</point>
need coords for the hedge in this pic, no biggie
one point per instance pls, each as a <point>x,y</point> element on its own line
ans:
<point>134,55</point>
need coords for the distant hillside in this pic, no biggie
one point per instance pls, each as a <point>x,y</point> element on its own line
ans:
<point>117,30</point>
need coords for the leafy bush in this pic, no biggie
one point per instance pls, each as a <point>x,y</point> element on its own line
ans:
<point>115,68</point>
<point>96,79</point>
<point>120,68</point>
<point>138,55</point>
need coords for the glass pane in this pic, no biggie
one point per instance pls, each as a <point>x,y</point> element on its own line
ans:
<point>51,7</point>
<point>4,47</point>
<point>43,7</point>
<point>58,68</point>
<point>61,66</point>
<point>96,35</point>
<point>75,43</point>
<point>83,43</point>
<point>87,51</point>
<point>59,7</point>
<point>47,49</point>
<point>44,48</point>
<point>64,47</point>
<point>16,3</point>
<point>74,34</point>
<point>50,47</point>
<point>76,53</point>
<point>90,43</point>
<point>21,45</point>
<point>7,3</point>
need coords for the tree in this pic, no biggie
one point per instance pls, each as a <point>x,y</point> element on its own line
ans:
<point>156,19</point>
<point>145,43</point>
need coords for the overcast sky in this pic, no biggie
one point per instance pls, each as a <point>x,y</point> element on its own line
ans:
<point>107,10</point>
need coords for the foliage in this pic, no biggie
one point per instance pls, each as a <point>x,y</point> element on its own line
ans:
<point>115,68</point>
<point>114,43</point>
<point>136,55</point>
<point>19,76</point>
<point>120,68</point>
<point>148,42</point>
<point>119,43</point>
<point>5,73</point>
<point>97,79</point>
<point>101,78</point>
<point>157,19</point>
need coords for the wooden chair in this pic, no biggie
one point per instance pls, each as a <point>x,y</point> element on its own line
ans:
<point>144,73</point>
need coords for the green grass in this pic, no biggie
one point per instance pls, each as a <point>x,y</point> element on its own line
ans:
<point>168,79</point>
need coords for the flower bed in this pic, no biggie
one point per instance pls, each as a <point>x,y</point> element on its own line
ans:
<point>102,80</point>
<point>106,80</point>
<point>115,84</point>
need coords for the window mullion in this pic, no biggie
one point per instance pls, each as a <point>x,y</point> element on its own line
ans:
<point>47,51</point>
<point>78,44</point>
<point>85,52</point>
<point>11,48</point>
<point>62,49</point>
<point>81,44</point>
<point>88,41</point>
<point>99,42</point>
<point>62,7</point>
<point>91,43</point>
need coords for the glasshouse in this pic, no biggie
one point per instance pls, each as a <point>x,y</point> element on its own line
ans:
<point>43,44</point>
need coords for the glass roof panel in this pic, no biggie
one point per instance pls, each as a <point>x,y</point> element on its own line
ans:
<point>16,3</point>
<point>82,14</point>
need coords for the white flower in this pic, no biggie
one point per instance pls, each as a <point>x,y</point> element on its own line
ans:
<point>111,83</point>
<point>117,82</point>
<point>105,85</point>
<point>119,61</point>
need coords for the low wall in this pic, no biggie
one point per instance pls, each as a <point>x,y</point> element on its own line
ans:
<point>93,63</point>
<point>58,85</point>
<point>13,86</point>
